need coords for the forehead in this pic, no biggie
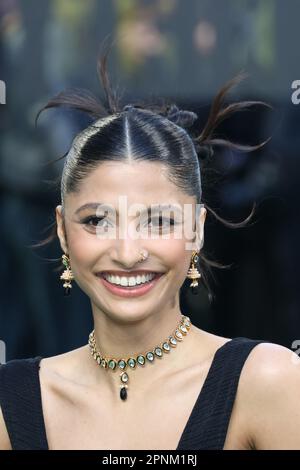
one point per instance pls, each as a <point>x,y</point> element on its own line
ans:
<point>141,182</point>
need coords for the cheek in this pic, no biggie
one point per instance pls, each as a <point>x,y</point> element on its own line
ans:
<point>84,248</point>
<point>176,257</point>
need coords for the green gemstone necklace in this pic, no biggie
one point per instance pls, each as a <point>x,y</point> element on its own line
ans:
<point>141,359</point>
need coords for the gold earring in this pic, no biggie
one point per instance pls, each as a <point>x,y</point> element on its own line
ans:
<point>193,273</point>
<point>67,275</point>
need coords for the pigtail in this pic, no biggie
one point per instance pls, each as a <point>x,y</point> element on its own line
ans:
<point>83,100</point>
<point>218,114</point>
<point>76,98</point>
<point>110,93</point>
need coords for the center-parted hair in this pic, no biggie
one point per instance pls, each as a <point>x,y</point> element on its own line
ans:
<point>151,132</point>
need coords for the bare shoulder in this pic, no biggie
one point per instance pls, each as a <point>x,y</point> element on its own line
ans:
<point>63,374</point>
<point>206,344</point>
<point>269,386</point>
<point>4,437</point>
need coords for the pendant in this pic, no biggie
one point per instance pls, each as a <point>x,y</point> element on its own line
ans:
<point>194,290</point>
<point>124,379</point>
<point>67,291</point>
<point>123,393</point>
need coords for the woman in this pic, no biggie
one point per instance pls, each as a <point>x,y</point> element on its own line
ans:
<point>147,377</point>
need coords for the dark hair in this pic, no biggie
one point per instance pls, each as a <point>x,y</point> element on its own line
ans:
<point>157,132</point>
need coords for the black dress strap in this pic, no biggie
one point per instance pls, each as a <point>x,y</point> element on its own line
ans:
<point>207,426</point>
<point>20,401</point>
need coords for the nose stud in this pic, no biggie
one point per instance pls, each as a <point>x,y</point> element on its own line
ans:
<point>143,256</point>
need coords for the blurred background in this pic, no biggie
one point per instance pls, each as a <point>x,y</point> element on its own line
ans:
<point>166,48</point>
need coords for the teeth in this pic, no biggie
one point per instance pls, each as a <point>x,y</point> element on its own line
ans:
<point>129,281</point>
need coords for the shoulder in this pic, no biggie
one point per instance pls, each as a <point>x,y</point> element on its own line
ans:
<point>64,376</point>
<point>270,384</point>
<point>66,366</point>
<point>4,437</point>
<point>15,379</point>
<point>20,393</point>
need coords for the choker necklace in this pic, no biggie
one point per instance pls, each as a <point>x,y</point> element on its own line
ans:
<point>131,362</point>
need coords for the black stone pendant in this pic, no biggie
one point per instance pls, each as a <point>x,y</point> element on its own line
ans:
<point>123,393</point>
<point>67,291</point>
<point>195,290</point>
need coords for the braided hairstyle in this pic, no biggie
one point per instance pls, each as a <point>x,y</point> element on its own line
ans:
<point>158,132</point>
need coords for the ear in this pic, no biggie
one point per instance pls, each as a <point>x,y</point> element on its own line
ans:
<point>60,229</point>
<point>200,228</point>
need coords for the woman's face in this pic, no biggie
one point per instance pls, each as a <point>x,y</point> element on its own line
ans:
<point>98,241</point>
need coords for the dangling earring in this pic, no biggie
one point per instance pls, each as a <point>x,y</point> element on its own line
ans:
<point>67,275</point>
<point>193,273</point>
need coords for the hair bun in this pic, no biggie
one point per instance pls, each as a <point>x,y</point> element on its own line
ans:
<point>204,151</point>
<point>128,107</point>
<point>180,117</point>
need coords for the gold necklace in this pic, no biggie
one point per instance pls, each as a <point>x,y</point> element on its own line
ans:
<point>131,362</point>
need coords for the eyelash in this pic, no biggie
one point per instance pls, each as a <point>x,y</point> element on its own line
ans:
<point>88,219</point>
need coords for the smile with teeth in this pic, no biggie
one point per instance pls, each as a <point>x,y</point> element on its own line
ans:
<point>131,281</point>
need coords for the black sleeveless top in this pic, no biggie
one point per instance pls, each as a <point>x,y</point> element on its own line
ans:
<point>206,428</point>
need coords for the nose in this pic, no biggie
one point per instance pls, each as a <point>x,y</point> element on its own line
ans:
<point>127,253</point>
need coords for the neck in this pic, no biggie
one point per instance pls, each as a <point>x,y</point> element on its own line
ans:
<point>124,336</point>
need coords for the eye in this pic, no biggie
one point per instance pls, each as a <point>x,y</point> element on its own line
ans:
<point>98,220</point>
<point>161,220</point>
<point>94,221</point>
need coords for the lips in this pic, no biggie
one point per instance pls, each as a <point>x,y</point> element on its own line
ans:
<point>127,273</point>
<point>105,273</point>
<point>130,291</point>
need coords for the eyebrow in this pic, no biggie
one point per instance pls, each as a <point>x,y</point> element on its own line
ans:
<point>154,207</point>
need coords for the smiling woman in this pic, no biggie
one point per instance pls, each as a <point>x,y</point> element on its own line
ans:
<point>216,392</point>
